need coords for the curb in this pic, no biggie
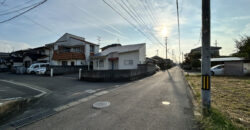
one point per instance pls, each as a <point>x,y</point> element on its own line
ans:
<point>197,109</point>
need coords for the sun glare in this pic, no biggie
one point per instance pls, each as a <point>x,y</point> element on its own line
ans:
<point>164,31</point>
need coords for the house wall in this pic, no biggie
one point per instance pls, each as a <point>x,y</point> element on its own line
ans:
<point>233,68</point>
<point>87,52</point>
<point>142,55</point>
<point>105,66</point>
<point>27,58</point>
<point>247,66</point>
<point>128,56</point>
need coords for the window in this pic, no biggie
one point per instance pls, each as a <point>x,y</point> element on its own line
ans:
<point>128,62</point>
<point>101,63</point>
<point>72,63</point>
<point>64,63</point>
<point>36,66</point>
<point>92,48</point>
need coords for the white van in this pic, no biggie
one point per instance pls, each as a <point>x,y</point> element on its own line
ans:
<point>37,68</point>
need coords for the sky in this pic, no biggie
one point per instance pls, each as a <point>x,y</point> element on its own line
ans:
<point>91,19</point>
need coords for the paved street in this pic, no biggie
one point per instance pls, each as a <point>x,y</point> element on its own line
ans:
<point>161,101</point>
<point>58,90</point>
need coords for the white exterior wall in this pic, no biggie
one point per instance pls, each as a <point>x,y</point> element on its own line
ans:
<point>142,54</point>
<point>96,49</point>
<point>87,52</point>
<point>105,67</point>
<point>128,56</point>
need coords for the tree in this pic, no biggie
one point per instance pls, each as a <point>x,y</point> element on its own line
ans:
<point>243,47</point>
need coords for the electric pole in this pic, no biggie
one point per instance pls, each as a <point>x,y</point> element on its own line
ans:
<point>157,52</point>
<point>166,48</point>
<point>173,54</point>
<point>216,43</point>
<point>205,66</point>
<point>182,57</point>
<point>99,39</point>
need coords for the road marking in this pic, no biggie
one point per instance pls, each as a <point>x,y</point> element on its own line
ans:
<point>165,103</point>
<point>42,90</point>
<point>71,104</point>
<point>7,99</point>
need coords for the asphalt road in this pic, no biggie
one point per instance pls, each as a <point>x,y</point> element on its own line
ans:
<point>159,102</point>
<point>10,91</point>
<point>60,90</point>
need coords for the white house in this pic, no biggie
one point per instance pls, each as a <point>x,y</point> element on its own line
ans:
<point>120,57</point>
<point>71,50</point>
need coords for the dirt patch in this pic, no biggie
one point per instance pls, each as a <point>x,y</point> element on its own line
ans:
<point>11,108</point>
<point>230,95</point>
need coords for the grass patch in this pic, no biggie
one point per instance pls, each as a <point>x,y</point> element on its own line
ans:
<point>230,98</point>
<point>217,121</point>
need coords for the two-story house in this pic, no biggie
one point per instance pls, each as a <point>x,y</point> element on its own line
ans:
<point>71,50</point>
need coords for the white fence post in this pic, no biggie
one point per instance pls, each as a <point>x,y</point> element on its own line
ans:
<point>51,72</point>
<point>80,74</point>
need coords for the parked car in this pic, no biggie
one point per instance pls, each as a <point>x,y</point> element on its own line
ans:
<point>37,68</point>
<point>217,70</point>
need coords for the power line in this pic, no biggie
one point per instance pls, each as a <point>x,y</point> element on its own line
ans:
<point>23,12</point>
<point>15,11</point>
<point>130,11</point>
<point>136,20</point>
<point>132,24</point>
<point>17,6</point>
<point>99,19</point>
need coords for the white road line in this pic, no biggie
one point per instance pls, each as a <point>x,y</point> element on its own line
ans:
<point>71,104</point>
<point>42,90</point>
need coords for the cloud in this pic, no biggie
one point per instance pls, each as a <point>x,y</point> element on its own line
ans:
<point>9,46</point>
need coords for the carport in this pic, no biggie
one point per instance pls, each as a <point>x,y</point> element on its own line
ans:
<point>233,65</point>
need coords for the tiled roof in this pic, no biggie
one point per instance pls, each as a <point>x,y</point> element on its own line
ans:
<point>68,56</point>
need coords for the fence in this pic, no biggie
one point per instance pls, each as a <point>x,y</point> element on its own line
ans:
<point>119,75</point>
<point>65,69</point>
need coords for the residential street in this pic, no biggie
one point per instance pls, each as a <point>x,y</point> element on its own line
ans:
<point>136,105</point>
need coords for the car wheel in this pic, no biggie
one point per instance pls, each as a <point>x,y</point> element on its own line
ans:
<point>212,73</point>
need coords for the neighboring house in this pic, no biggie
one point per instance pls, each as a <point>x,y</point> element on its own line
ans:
<point>29,56</point>
<point>36,55</point>
<point>117,57</point>
<point>233,65</point>
<point>215,51</point>
<point>162,63</point>
<point>71,50</point>
<point>3,61</point>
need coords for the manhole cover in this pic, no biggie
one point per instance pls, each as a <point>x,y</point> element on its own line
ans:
<point>101,104</point>
<point>90,91</point>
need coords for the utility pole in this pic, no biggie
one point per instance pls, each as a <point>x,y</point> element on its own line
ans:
<point>205,66</point>
<point>166,47</point>
<point>157,52</point>
<point>182,57</point>
<point>216,43</point>
<point>173,54</point>
<point>99,39</point>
